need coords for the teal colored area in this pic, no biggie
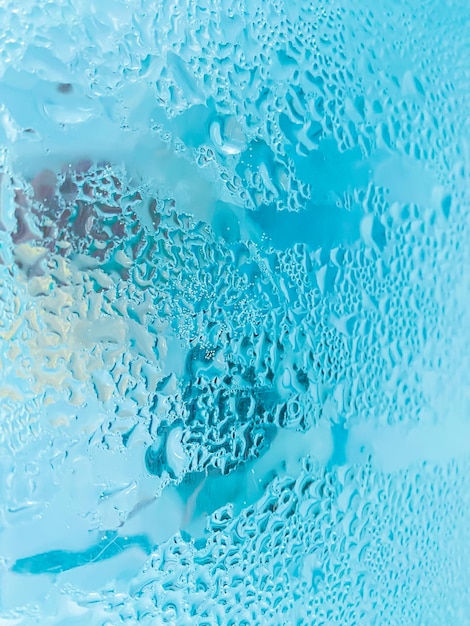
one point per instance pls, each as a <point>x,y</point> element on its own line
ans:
<point>234,286</point>
<point>57,561</point>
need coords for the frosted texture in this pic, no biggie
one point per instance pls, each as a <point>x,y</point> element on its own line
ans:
<point>234,312</point>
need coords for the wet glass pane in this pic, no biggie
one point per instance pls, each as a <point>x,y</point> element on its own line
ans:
<point>234,312</point>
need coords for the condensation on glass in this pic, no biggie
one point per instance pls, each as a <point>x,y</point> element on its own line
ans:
<point>234,312</point>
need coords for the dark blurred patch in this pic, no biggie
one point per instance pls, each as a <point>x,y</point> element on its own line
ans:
<point>64,88</point>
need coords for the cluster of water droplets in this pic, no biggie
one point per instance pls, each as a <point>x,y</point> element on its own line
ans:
<point>234,326</point>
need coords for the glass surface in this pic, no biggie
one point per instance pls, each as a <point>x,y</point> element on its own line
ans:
<point>234,312</point>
